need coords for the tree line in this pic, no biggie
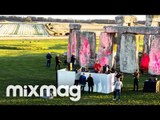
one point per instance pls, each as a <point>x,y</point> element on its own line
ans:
<point>50,19</point>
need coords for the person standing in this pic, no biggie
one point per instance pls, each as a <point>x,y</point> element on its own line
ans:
<point>97,67</point>
<point>77,77</point>
<point>105,68</point>
<point>58,61</point>
<point>48,57</point>
<point>90,83</point>
<point>73,61</point>
<point>118,85</point>
<point>136,80</point>
<point>82,82</point>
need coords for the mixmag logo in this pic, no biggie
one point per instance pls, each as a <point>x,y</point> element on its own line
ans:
<point>73,91</point>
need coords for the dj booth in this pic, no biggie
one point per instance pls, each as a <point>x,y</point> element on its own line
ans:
<point>103,83</point>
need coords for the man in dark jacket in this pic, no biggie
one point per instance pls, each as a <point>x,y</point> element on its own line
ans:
<point>90,83</point>
<point>73,61</point>
<point>48,57</point>
<point>82,82</point>
<point>58,61</point>
<point>136,80</point>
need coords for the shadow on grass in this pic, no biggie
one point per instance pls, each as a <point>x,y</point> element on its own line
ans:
<point>25,70</point>
<point>64,46</point>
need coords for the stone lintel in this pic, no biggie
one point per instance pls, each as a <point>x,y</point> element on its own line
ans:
<point>135,30</point>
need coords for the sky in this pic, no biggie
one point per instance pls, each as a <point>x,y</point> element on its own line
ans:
<point>81,17</point>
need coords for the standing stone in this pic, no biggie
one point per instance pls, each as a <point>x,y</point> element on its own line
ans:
<point>74,42</point>
<point>154,55</point>
<point>128,54</point>
<point>105,49</point>
<point>147,37</point>
<point>152,45</point>
<point>148,20</point>
<point>87,49</point>
<point>151,20</point>
<point>127,20</point>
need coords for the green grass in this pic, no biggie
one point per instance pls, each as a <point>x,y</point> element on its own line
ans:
<point>23,62</point>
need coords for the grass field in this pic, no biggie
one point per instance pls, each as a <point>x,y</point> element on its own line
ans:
<point>23,62</point>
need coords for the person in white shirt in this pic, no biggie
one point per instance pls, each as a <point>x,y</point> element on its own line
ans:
<point>77,77</point>
<point>118,85</point>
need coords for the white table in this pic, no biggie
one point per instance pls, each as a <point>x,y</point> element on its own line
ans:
<point>103,83</point>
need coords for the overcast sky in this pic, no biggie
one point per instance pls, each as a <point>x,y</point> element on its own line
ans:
<point>81,17</point>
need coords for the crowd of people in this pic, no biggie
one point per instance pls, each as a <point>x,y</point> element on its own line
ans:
<point>82,80</point>
<point>103,69</point>
<point>57,61</point>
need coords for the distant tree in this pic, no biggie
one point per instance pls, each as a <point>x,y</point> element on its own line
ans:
<point>34,18</point>
<point>28,19</point>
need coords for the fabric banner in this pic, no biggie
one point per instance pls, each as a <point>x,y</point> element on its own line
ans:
<point>114,58</point>
<point>144,63</point>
